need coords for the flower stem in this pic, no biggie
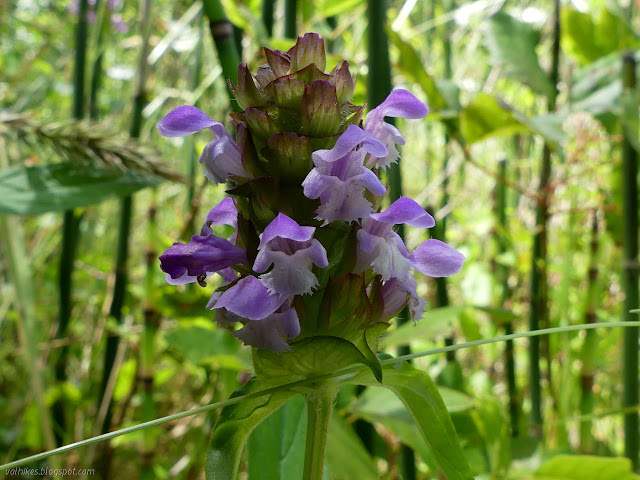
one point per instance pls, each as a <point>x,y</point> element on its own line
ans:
<point>319,407</point>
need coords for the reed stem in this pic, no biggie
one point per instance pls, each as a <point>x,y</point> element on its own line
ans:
<point>223,38</point>
<point>538,297</point>
<point>631,268</point>
<point>587,374</point>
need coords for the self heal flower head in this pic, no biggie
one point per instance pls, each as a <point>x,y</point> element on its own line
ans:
<point>339,176</point>
<point>291,250</point>
<point>206,253</point>
<point>399,103</point>
<point>221,157</point>
<point>249,299</point>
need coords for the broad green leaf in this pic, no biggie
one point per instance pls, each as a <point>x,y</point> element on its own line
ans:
<point>434,322</point>
<point>585,467</point>
<point>487,117</point>
<point>345,455</point>
<point>548,126</point>
<point>423,402</point>
<point>592,35</point>
<point>275,450</point>
<point>514,43</point>
<point>309,357</point>
<point>413,68</point>
<point>235,424</point>
<point>63,186</point>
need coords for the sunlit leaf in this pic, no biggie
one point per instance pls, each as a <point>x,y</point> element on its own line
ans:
<point>592,35</point>
<point>513,43</point>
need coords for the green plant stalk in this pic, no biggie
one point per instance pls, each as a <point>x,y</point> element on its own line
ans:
<point>538,296</point>
<point>587,402</point>
<point>267,15</point>
<point>307,382</point>
<point>124,228</point>
<point>631,269</point>
<point>151,318</point>
<point>440,232</point>
<point>223,38</point>
<point>70,225</point>
<point>290,18</point>
<point>503,275</point>
<point>319,408</point>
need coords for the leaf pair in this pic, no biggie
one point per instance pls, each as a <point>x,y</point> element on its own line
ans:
<point>413,387</point>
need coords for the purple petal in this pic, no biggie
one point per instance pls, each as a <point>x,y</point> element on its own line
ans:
<point>285,227</point>
<point>401,103</point>
<point>201,256</point>
<point>436,259</point>
<point>405,210</point>
<point>371,182</point>
<point>348,141</point>
<point>225,213</point>
<point>268,333</point>
<point>249,298</point>
<point>185,120</point>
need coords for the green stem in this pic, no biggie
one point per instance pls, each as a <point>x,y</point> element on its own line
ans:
<point>223,37</point>
<point>538,304</point>
<point>267,15</point>
<point>290,18</point>
<point>631,269</point>
<point>319,408</point>
<point>503,274</point>
<point>70,224</point>
<point>589,347</point>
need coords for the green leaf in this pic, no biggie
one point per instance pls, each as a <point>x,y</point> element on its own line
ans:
<point>345,455</point>
<point>63,186</point>
<point>235,424</point>
<point>585,467</point>
<point>487,117</point>
<point>591,35</point>
<point>413,68</point>
<point>423,402</point>
<point>309,357</point>
<point>275,449</point>
<point>435,322</point>
<point>514,43</point>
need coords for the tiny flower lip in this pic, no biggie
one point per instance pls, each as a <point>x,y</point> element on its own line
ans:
<point>436,259</point>
<point>285,227</point>
<point>405,210</point>
<point>348,141</point>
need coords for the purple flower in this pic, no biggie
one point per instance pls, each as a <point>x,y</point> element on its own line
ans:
<point>292,250</point>
<point>221,157</point>
<point>396,293</point>
<point>270,332</point>
<point>206,253</point>
<point>399,103</point>
<point>382,249</point>
<point>339,176</point>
